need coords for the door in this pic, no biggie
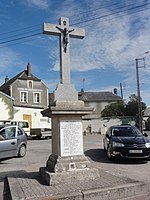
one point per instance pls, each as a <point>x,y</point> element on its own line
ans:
<point>29,118</point>
<point>8,142</point>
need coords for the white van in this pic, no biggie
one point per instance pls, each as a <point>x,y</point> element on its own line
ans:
<point>24,124</point>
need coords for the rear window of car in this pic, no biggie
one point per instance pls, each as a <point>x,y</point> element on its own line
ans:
<point>23,124</point>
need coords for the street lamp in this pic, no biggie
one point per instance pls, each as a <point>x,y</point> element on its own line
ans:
<point>140,116</point>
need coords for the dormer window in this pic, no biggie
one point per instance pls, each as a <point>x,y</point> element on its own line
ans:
<point>30,84</point>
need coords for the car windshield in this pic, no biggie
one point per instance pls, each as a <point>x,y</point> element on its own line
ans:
<point>126,132</point>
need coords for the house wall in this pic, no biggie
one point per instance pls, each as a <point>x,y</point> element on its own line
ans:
<point>37,120</point>
<point>101,125</point>
<point>98,125</point>
<point>22,86</point>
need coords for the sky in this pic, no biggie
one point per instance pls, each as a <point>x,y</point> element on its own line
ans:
<point>116,34</point>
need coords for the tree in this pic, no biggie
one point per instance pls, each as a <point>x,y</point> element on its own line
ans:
<point>122,109</point>
<point>132,106</point>
<point>114,109</point>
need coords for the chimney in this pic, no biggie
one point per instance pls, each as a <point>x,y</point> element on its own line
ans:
<point>6,79</point>
<point>29,70</point>
<point>115,91</point>
<point>81,92</point>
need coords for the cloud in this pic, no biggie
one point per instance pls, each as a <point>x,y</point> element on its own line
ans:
<point>111,43</point>
<point>10,62</point>
<point>41,4</point>
<point>108,44</point>
<point>8,58</point>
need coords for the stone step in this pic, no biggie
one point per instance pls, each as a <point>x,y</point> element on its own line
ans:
<point>119,192</point>
<point>26,188</point>
<point>139,197</point>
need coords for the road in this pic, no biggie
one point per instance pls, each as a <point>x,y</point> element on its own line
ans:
<point>39,150</point>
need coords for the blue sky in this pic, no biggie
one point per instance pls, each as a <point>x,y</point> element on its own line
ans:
<point>117,32</point>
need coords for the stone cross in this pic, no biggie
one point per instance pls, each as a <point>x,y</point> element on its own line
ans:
<point>64,31</point>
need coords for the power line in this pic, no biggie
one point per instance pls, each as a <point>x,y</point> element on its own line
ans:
<point>19,34</point>
<point>83,21</point>
<point>100,8</point>
<point>17,30</point>
<point>89,11</point>
<point>110,14</point>
<point>122,15</point>
<point>20,42</point>
<point>20,38</point>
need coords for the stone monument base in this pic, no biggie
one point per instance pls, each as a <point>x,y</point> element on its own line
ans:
<point>72,176</point>
<point>57,163</point>
<point>67,169</point>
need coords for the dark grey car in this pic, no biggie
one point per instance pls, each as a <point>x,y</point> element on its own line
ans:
<point>13,141</point>
<point>126,141</point>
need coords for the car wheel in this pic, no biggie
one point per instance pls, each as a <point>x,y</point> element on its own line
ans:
<point>109,156</point>
<point>22,151</point>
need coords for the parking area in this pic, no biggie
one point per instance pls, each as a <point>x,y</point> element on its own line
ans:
<point>39,150</point>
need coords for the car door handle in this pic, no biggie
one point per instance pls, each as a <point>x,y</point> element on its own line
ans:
<point>12,143</point>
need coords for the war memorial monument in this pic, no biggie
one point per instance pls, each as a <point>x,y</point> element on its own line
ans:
<point>67,161</point>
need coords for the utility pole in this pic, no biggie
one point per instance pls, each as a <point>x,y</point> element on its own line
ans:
<point>140,115</point>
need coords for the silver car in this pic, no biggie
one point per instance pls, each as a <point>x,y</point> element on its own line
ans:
<point>13,141</point>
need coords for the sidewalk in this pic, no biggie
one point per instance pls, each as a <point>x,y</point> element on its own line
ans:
<point>105,187</point>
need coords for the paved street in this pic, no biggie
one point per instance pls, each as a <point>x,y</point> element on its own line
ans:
<point>39,150</point>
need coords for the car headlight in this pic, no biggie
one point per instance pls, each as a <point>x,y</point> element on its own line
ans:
<point>147,145</point>
<point>117,144</point>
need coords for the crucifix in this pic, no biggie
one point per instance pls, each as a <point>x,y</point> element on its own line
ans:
<point>64,31</point>
<point>66,113</point>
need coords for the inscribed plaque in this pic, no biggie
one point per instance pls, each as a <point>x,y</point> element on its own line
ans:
<point>71,138</point>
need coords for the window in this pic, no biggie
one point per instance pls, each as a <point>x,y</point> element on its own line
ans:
<point>36,97</point>
<point>30,84</point>
<point>23,97</point>
<point>7,133</point>
<point>23,124</point>
<point>2,135</point>
<point>19,132</point>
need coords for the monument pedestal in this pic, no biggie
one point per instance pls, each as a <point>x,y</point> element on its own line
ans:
<point>70,176</point>
<point>67,170</point>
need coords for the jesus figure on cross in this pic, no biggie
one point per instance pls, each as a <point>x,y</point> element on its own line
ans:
<point>65,32</point>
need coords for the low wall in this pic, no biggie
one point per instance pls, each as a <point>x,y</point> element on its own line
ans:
<point>102,124</point>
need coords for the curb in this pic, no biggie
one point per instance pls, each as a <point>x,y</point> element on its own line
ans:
<point>6,190</point>
<point>117,192</point>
